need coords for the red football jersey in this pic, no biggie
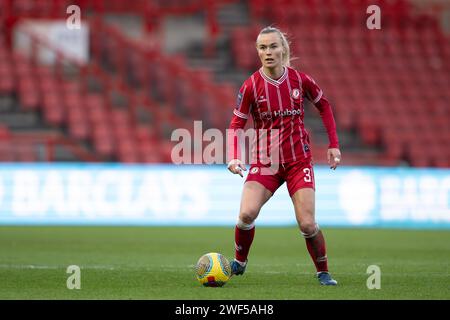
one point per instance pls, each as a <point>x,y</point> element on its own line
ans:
<point>277,107</point>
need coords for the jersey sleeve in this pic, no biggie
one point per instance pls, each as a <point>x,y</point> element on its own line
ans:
<point>244,102</point>
<point>240,115</point>
<point>315,95</point>
<point>311,88</point>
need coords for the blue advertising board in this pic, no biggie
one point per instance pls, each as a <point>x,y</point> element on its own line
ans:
<point>118,194</point>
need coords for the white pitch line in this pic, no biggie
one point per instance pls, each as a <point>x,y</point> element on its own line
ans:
<point>44,267</point>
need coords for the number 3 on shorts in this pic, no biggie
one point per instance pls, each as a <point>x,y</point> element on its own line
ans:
<point>307,176</point>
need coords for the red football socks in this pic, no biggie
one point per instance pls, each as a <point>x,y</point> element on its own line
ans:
<point>317,251</point>
<point>243,240</point>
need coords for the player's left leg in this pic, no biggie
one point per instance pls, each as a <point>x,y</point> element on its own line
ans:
<point>301,188</point>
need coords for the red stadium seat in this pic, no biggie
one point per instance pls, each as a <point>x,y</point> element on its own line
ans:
<point>28,95</point>
<point>7,79</point>
<point>127,150</point>
<point>104,144</point>
<point>5,134</point>
<point>26,153</point>
<point>149,152</point>
<point>6,151</point>
<point>78,126</point>
<point>53,108</point>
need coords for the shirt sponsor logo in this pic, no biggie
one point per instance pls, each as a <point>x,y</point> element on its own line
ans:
<point>286,113</point>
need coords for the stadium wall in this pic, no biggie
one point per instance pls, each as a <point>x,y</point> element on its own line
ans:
<point>118,194</point>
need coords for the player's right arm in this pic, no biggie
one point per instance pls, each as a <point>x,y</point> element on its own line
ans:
<point>240,117</point>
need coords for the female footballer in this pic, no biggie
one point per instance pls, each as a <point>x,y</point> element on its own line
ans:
<point>273,96</point>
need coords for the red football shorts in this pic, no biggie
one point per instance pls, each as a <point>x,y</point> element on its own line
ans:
<point>297,174</point>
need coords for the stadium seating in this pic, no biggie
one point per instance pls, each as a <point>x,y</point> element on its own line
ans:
<point>391,86</point>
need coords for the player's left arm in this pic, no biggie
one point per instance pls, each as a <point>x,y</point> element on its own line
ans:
<point>316,96</point>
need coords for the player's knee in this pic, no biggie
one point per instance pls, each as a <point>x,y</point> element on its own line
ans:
<point>309,228</point>
<point>248,216</point>
<point>244,226</point>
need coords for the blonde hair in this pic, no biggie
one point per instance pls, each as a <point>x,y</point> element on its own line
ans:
<point>286,60</point>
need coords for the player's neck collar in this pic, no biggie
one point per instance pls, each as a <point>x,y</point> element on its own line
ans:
<point>270,80</point>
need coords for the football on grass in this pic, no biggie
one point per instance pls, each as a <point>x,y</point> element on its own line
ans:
<point>213,270</point>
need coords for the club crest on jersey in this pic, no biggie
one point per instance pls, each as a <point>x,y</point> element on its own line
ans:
<point>295,93</point>
<point>266,115</point>
<point>254,170</point>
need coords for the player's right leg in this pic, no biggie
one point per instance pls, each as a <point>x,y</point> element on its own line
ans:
<point>254,196</point>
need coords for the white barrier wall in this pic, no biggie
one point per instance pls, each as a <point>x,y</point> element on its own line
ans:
<point>73,43</point>
<point>210,195</point>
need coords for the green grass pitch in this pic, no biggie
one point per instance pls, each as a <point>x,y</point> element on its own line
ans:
<point>158,263</point>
